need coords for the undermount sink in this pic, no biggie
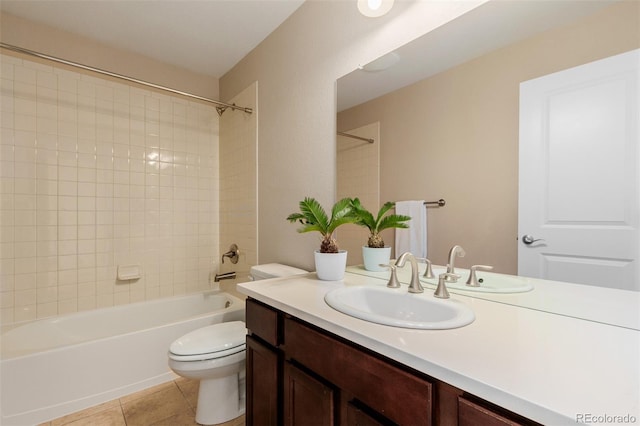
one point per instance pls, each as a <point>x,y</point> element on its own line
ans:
<point>489,282</point>
<point>399,308</point>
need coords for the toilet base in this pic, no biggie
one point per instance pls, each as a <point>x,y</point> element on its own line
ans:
<point>221,399</point>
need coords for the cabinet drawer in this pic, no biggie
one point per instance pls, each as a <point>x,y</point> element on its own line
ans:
<point>262,321</point>
<point>472,414</point>
<point>377,383</point>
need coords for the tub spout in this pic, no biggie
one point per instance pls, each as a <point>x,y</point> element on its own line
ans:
<point>225,276</point>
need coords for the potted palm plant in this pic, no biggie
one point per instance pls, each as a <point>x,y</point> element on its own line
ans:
<point>330,261</point>
<point>375,252</point>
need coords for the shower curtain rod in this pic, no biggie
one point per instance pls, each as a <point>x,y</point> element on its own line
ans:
<point>222,106</point>
<point>355,137</point>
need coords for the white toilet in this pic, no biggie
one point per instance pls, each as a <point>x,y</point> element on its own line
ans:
<point>215,355</point>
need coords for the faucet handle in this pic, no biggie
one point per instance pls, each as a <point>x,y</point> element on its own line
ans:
<point>428,273</point>
<point>472,281</point>
<point>233,254</point>
<point>393,280</point>
<point>441,291</point>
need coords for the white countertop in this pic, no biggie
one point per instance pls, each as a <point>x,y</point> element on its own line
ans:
<point>547,367</point>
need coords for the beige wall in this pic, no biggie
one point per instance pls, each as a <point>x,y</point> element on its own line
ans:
<point>297,67</point>
<point>44,39</point>
<point>457,138</point>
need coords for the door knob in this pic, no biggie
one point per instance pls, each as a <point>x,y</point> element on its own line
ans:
<point>528,239</point>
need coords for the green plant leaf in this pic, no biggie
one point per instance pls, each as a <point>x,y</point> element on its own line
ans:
<point>314,214</point>
<point>385,208</point>
<point>314,218</point>
<point>341,214</point>
<point>393,221</point>
<point>375,225</point>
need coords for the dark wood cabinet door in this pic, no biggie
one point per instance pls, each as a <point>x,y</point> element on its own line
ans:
<point>307,400</point>
<point>262,384</point>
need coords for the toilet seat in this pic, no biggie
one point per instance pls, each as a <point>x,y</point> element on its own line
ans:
<point>207,355</point>
<point>213,341</point>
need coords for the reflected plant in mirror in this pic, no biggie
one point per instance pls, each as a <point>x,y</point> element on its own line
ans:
<point>378,223</point>
<point>375,253</point>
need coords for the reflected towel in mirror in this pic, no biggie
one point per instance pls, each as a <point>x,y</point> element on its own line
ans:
<point>414,238</point>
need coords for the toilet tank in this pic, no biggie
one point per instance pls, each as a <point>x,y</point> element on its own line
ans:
<point>273,270</point>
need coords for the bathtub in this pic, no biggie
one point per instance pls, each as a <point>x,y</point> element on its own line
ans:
<point>56,366</point>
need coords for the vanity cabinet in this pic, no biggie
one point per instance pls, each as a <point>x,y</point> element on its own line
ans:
<point>299,374</point>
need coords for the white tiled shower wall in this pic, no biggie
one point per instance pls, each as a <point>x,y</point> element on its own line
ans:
<point>96,174</point>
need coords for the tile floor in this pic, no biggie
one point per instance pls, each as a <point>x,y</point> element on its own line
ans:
<point>168,404</point>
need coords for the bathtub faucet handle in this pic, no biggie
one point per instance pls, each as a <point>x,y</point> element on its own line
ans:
<point>233,254</point>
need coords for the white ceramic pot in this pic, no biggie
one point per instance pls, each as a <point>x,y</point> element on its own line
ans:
<point>373,257</point>
<point>331,266</point>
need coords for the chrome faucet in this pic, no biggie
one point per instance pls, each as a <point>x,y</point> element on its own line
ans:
<point>455,251</point>
<point>414,285</point>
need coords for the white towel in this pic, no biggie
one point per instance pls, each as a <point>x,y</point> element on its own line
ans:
<point>413,239</point>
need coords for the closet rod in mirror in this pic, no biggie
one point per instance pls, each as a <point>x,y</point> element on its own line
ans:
<point>221,106</point>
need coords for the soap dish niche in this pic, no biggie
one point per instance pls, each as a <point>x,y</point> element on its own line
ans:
<point>129,272</point>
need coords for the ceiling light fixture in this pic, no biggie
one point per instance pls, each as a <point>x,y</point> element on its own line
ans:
<point>374,8</point>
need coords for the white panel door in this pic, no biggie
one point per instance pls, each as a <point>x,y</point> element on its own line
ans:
<point>579,180</point>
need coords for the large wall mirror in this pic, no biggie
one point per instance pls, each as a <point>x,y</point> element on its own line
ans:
<point>444,113</point>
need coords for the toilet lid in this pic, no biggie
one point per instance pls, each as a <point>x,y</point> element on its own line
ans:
<point>226,337</point>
